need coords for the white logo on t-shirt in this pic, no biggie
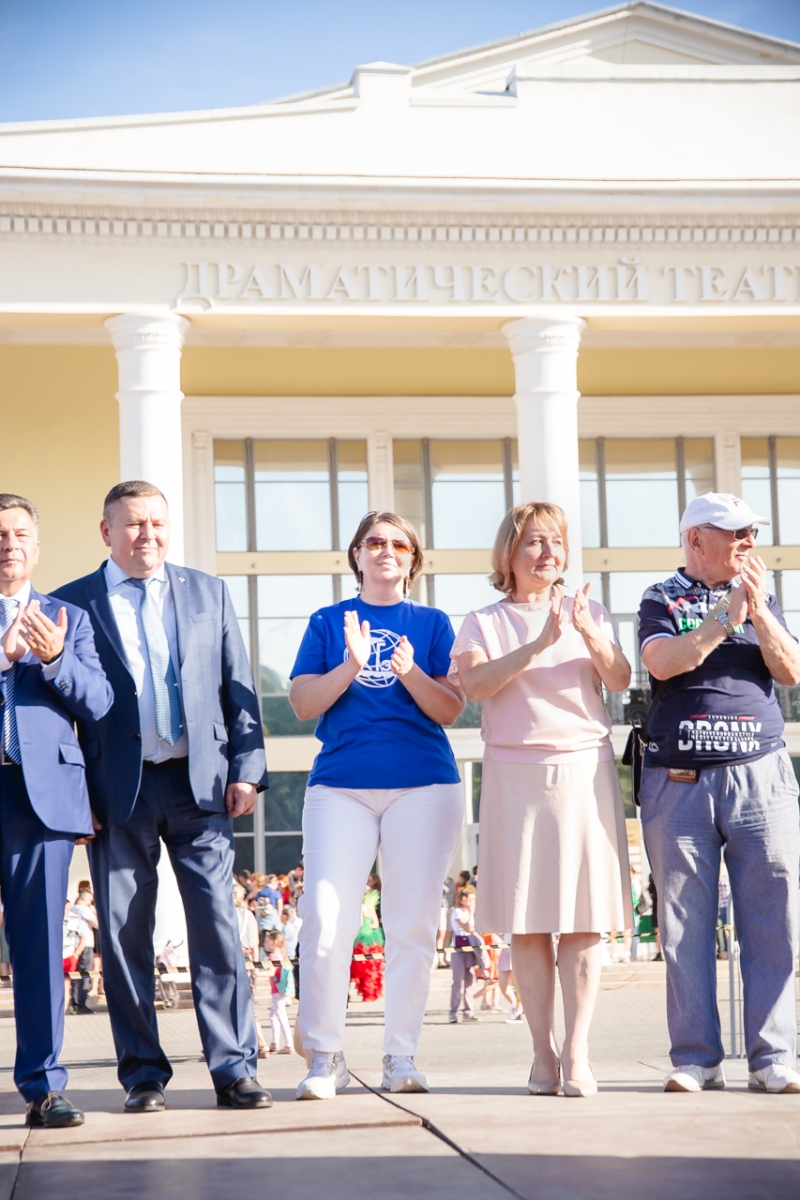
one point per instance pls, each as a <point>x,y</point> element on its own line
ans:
<point>377,670</point>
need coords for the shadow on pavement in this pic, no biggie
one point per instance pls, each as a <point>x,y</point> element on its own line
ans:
<point>596,1177</point>
<point>536,1177</point>
<point>336,1178</point>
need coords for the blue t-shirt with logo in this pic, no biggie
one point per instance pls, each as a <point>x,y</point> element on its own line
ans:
<point>724,711</point>
<point>376,735</point>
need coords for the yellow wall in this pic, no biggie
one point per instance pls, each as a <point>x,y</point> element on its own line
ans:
<point>60,448</point>
<point>249,371</point>
<point>736,371</point>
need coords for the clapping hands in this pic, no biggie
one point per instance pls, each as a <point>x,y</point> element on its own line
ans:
<point>754,578</point>
<point>403,658</point>
<point>581,613</point>
<point>357,638</point>
<point>32,630</point>
<point>582,618</point>
<point>551,631</point>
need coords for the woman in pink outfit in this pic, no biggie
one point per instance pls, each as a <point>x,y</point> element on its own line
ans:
<point>552,820</point>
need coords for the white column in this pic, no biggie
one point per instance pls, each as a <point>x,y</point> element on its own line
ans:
<point>545,353</point>
<point>148,352</point>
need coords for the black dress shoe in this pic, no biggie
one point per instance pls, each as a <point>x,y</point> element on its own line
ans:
<point>144,1098</point>
<point>244,1093</point>
<point>51,1110</point>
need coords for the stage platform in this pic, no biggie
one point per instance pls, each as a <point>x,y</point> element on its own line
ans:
<point>630,1140</point>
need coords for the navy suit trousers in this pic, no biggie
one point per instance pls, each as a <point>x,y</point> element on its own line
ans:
<point>124,860</point>
<point>35,870</point>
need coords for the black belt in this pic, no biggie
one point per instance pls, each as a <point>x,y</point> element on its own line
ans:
<point>168,762</point>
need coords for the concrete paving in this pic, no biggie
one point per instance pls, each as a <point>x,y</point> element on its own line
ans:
<point>477,1129</point>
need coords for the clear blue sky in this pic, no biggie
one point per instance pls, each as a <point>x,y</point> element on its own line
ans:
<point>79,58</point>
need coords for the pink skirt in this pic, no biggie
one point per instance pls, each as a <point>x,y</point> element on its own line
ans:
<point>553,849</point>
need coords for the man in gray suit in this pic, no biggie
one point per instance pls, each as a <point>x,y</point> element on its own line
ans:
<point>180,754</point>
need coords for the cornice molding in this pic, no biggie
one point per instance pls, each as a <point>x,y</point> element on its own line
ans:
<point>412,339</point>
<point>509,232</point>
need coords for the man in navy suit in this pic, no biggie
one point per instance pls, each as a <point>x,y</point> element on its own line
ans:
<point>178,757</point>
<point>50,675</point>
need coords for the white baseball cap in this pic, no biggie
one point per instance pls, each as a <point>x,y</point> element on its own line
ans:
<point>722,509</point>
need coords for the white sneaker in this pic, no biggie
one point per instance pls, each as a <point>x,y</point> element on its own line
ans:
<point>400,1074</point>
<point>774,1078</point>
<point>515,1015</point>
<point>694,1079</point>
<point>328,1075</point>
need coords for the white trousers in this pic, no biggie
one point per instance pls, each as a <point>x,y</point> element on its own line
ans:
<point>279,1020</point>
<point>417,830</point>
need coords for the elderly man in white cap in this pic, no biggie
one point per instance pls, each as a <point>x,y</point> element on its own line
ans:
<point>716,774</point>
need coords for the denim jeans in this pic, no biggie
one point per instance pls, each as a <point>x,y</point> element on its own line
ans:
<point>751,810</point>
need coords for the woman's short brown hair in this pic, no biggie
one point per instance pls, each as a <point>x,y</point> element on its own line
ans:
<point>510,534</point>
<point>369,522</point>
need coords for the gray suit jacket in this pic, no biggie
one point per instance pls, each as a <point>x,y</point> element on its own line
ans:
<point>223,722</point>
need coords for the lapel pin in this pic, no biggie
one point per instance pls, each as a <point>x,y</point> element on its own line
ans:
<point>181,579</point>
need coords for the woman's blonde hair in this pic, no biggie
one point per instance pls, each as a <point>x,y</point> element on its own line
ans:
<point>367,523</point>
<point>509,535</point>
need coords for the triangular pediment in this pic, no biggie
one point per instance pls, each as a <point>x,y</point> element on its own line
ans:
<point>634,34</point>
<point>637,33</point>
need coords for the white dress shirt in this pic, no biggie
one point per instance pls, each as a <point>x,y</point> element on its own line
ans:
<point>125,602</point>
<point>22,597</point>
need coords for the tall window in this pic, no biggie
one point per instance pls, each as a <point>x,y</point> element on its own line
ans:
<point>790,599</point>
<point>272,496</point>
<point>276,495</point>
<point>771,486</point>
<point>455,492</point>
<point>625,590</point>
<point>633,490</point>
<point>457,595</point>
<point>275,829</point>
<point>284,605</point>
<point>282,494</point>
<point>230,496</point>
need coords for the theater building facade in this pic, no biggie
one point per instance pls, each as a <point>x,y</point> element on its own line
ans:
<point>561,266</point>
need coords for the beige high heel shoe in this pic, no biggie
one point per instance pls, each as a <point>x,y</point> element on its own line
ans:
<point>548,1087</point>
<point>572,1087</point>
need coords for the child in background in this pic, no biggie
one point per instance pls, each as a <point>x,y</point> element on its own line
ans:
<point>282,980</point>
<point>463,960</point>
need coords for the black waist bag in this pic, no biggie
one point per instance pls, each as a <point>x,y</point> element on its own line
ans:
<point>638,740</point>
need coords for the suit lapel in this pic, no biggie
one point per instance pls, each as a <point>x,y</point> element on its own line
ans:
<point>97,595</point>
<point>180,598</point>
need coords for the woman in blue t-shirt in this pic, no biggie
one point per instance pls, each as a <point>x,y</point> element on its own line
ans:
<point>374,671</point>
